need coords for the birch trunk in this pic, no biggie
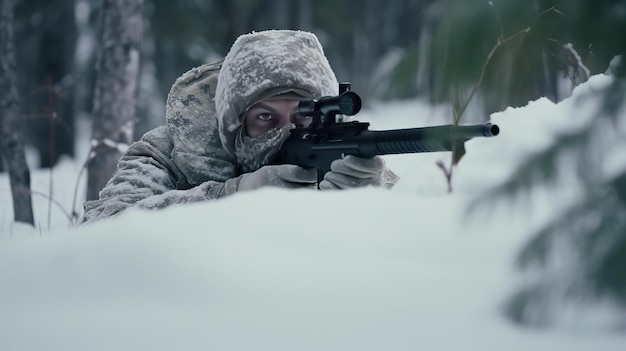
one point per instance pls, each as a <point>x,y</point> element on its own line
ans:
<point>117,72</point>
<point>10,122</point>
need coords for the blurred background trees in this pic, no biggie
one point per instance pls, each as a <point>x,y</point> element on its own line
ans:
<point>45,37</point>
<point>114,103</point>
<point>393,49</point>
<point>559,44</point>
<point>11,123</point>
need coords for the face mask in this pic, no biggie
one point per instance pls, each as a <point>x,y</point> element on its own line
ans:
<point>254,153</point>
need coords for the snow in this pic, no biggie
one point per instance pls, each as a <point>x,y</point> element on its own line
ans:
<point>365,269</point>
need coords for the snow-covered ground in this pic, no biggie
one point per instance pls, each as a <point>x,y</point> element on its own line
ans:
<point>366,269</point>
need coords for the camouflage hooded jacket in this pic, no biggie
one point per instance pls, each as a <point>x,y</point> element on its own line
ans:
<point>201,147</point>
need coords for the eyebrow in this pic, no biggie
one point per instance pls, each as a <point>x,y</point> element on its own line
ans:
<point>263,105</point>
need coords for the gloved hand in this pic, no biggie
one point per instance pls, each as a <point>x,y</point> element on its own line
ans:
<point>284,176</point>
<point>353,172</point>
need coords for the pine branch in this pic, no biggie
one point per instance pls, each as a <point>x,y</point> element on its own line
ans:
<point>590,232</point>
<point>459,108</point>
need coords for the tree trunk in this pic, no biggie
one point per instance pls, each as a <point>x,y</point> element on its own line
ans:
<point>10,126</point>
<point>305,15</point>
<point>281,14</point>
<point>117,73</point>
<point>150,100</point>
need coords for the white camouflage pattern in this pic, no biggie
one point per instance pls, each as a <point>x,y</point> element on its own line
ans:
<point>200,153</point>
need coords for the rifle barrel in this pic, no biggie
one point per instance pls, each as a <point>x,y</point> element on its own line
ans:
<point>427,139</point>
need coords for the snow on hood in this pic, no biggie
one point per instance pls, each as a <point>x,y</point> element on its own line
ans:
<point>276,61</point>
<point>205,104</point>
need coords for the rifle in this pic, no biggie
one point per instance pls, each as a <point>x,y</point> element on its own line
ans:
<point>328,139</point>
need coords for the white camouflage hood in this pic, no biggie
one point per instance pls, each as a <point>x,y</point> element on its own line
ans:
<point>192,122</point>
<point>275,61</point>
<point>205,104</point>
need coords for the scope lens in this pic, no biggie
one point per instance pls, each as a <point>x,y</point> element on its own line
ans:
<point>349,103</point>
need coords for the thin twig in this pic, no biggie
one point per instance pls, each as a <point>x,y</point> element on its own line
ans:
<point>501,41</point>
<point>447,172</point>
<point>90,156</point>
<point>46,196</point>
<point>459,109</point>
<point>553,8</point>
<point>52,200</point>
<point>52,118</point>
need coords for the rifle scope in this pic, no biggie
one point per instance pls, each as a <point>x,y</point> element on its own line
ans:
<point>347,103</point>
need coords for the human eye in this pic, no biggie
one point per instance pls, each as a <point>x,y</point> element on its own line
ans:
<point>265,117</point>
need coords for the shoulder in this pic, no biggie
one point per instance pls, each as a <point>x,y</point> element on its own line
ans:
<point>158,136</point>
<point>156,144</point>
<point>157,140</point>
<point>198,81</point>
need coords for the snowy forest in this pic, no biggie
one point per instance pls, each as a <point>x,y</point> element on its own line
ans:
<point>462,61</point>
<point>398,49</point>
